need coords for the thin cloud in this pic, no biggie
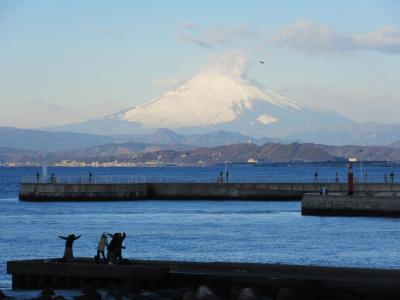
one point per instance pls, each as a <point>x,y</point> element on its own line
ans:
<point>386,39</point>
<point>233,62</point>
<point>312,37</point>
<point>198,42</point>
<point>212,37</point>
<point>50,107</point>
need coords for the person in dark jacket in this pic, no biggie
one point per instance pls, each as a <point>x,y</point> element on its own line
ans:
<point>119,247</point>
<point>112,247</point>
<point>69,242</point>
<point>316,177</point>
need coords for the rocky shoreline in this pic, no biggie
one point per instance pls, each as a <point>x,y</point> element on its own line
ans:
<point>204,292</point>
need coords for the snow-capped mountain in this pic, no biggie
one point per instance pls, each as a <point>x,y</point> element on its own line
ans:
<point>217,100</point>
<point>212,101</point>
<point>207,100</point>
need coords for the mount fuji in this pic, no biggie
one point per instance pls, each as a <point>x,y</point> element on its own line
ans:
<point>217,100</point>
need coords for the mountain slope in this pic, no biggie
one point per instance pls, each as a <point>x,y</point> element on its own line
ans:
<point>166,136</point>
<point>40,140</point>
<point>206,100</point>
<point>215,101</point>
<point>143,154</point>
<point>394,144</point>
<point>219,101</point>
<point>45,141</point>
<point>225,100</point>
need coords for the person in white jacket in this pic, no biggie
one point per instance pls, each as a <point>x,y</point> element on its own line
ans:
<point>103,243</point>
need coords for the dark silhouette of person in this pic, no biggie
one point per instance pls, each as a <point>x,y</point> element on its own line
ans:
<point>52,178</point>
<point>112,249</point>
<point>324,190</point>
<point>391,176</point>
<point>337,178</point>
<point>90,177</point>
<point>227,176</point>
<point>316,177</point>
<point>37,177</point>
<point>115,248</point>
<point>69,242</point>
<point>119,247</point>
<point>221,176</point>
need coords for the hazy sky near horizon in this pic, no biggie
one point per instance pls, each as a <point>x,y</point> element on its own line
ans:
<point>69,61</point>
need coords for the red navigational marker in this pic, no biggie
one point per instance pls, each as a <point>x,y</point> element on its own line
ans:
<point>350,178</point>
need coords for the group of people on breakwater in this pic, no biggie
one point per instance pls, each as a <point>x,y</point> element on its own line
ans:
<point>114,248</point>
<point>391,175</point>
<point>223,176</point>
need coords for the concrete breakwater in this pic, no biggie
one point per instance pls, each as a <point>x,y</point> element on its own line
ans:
<point>305,282</point>
<point>382,205</point>
<point>186,191</point>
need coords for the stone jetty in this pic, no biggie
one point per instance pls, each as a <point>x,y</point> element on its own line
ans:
<point>186,191</point>
<point>213,280</point>
<point>360,204</point>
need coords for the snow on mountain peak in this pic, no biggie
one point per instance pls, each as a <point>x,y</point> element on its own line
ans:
<point>217,95</point>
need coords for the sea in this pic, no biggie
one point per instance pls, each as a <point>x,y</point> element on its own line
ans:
<point>231,231</point>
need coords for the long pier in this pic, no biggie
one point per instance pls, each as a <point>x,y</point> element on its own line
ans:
<point>36,274</point>
<point>187,191</point>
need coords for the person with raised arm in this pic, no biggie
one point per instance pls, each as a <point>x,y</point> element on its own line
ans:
<point>69,242</point>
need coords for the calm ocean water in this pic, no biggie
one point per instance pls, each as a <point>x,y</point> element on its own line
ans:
<point>199,230</point>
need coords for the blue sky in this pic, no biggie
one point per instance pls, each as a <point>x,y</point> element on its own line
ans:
<point>69,61</point>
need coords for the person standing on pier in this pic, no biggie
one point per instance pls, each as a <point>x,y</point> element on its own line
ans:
<point>90,180</point>
<point>324,190</point>
<point>115,248</point>
<point>119,247</point>
<point>112,248</point>
<point>391,177</point>
<point>69,242</point>
<point>315,177</point>
<point>337,178</point>
<point>103,243</point>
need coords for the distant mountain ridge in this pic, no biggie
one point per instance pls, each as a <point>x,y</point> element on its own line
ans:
<point>40,140</point>
<point>209,139</point>
<point>394,144</point>
<point>145,154</point>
